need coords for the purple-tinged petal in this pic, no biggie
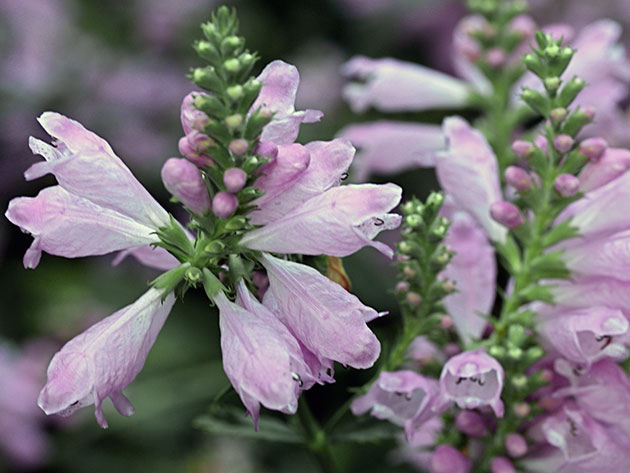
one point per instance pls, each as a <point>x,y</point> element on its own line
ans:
<point>592,291</point>
<point>280,82</point>
<point>104,359</point>
<point>152,257</point>
<point>447,459</point>
<point>606,256</point>
<point>261,358</point>
<point>64,224</point>
<point>468,172</point>
<point>473,268</point>
<point>326,318</point>
<point>609,167</point>
<point>387,147</point>
<point>397,396</point>
<point>603,210</point>
<point>586,445</point>
<point>473,379</point>
<point>338,222</point>
<point>85,165</point>
<point>191,117</point>
<point>299,173</point>
<point>586,335</point>
<point>466,50</point>
<point>391,85</point>
<point>603,392</point>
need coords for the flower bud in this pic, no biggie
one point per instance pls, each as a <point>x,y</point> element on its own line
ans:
<point>506,213</point>
<point>516,445</point>
<point>224,204</point>
<point>557,115</point>
<point>232,65</point>
<point>452,349</point>
<point>566,185</point>
<point>563,143</point>
<point>570,91</point>
<point>522,409</point>
<point>402,286</point>
<point>447,459</point>
<point>235,92</point>
<point>470,423</point>
<point>413,298</point>
<point>234,179</point>
<point>183,180</point>
<point>518,178</point>
<point>541,143</point>
<point>266,149</point>
<point>501,465</point>
<point>496,57</point>
<point>234,121</point>
<point>593,148</point>
<point>193,154</point>
<point>522,149</point>
<point>239,146</point>
<point>191,117</point>
<point>446,322</point>
<point>589,111</point>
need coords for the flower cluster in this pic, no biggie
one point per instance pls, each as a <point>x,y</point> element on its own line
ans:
<point>250,191</point>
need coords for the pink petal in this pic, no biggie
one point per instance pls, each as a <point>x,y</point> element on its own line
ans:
<point>338,222</point>
<point>387,147</point>
<point>70,226</point>
<point>104,359</point>
<point>391,85</point>
<point>609,167</point>
<point>85,165</point>
<point>326,318</point>
<point>152,257</point>
<point>468,172</point>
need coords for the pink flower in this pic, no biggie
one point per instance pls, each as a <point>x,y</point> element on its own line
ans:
<point>280,82</point>
<point>337,222</point>
<point>612,164</point>
<point>398,396</point>
<point>263,361</point>
<point>387,147</point>
<point>470,159</point>
<point>473,379</point>
<point>585,335</point>
<point>98,206</point>
<point>447,459</point>
<point>324,317</point>
<point>391,85</point>
<point>473,268</point>
<point>103,360</point>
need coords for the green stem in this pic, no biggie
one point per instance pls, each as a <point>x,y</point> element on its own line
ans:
<point>317,441</point>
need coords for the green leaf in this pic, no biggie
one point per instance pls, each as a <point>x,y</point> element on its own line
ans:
<point>560,232</point>
<point>231,421</point>
<point>365,430</point>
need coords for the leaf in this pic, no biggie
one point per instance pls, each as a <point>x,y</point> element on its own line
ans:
<point>365,430</point>
<point>232,421</point>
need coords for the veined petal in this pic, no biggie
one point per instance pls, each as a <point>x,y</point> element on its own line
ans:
<point>64,224</point>
<point>85,165</point>
<point>391,147</point>
<point>586,335</point>
<point>326,318</point>
<point>473,268</point>
<point>592,291</point>
<point>391,85</point>
<point>310,171</point>
<point>338,222</point>
<point>468,172</point>
<point>606,256</point>
<point>609,167</point>
<point>152,257</point>
<point>103,360</point>
<point>280,82</point>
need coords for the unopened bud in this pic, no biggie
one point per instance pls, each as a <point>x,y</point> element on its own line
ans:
<point>448,285</point>
<point>518,178</point>
<point>470,423</point>
<point>235,92</point>
<point>402,286</point>
<point>452,349</point>
<point>447,459</point>
<point>409,271</point>
<point>566,185</point>
<point>234,121</point>
<point>516,445</point>
<point>193,155</point>
<point>589,112</point>
<point>541,142</point>
<point>224,204</point>
<point>552,50</point>
<point>232,65</point>
<point>506,213</point>
<point>413,298</point>
<point>563,143</point>
<point>501,465</point>
<point>522,409</point>
<point>593,148</point>
<point>552,84</point>
<point>446,321</point>
<point>239,146</point>
<point>558,115</point>
<point>234,179</point>
<point>193,275</point>
<point>522,149</point>
<point>183,180</point>
<point>496,57</point>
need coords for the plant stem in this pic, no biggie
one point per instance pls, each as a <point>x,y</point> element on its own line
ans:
<point>317,441</point>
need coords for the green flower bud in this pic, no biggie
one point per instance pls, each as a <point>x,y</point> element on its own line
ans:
<point>413,221</point>
<point>515,353</point>
<point>570,91</point>
<point>232,65</point>
<point>193,275</point>
<point>234,121</point>
<point>235,223</point>
<point>537,101</point>
<point>519,381</point>
<point>552,51</point>
<point>215,247</point>
<point>552,84</point>
<point>496,351</point>
<point>534,64</point>
<point>235,92</point>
